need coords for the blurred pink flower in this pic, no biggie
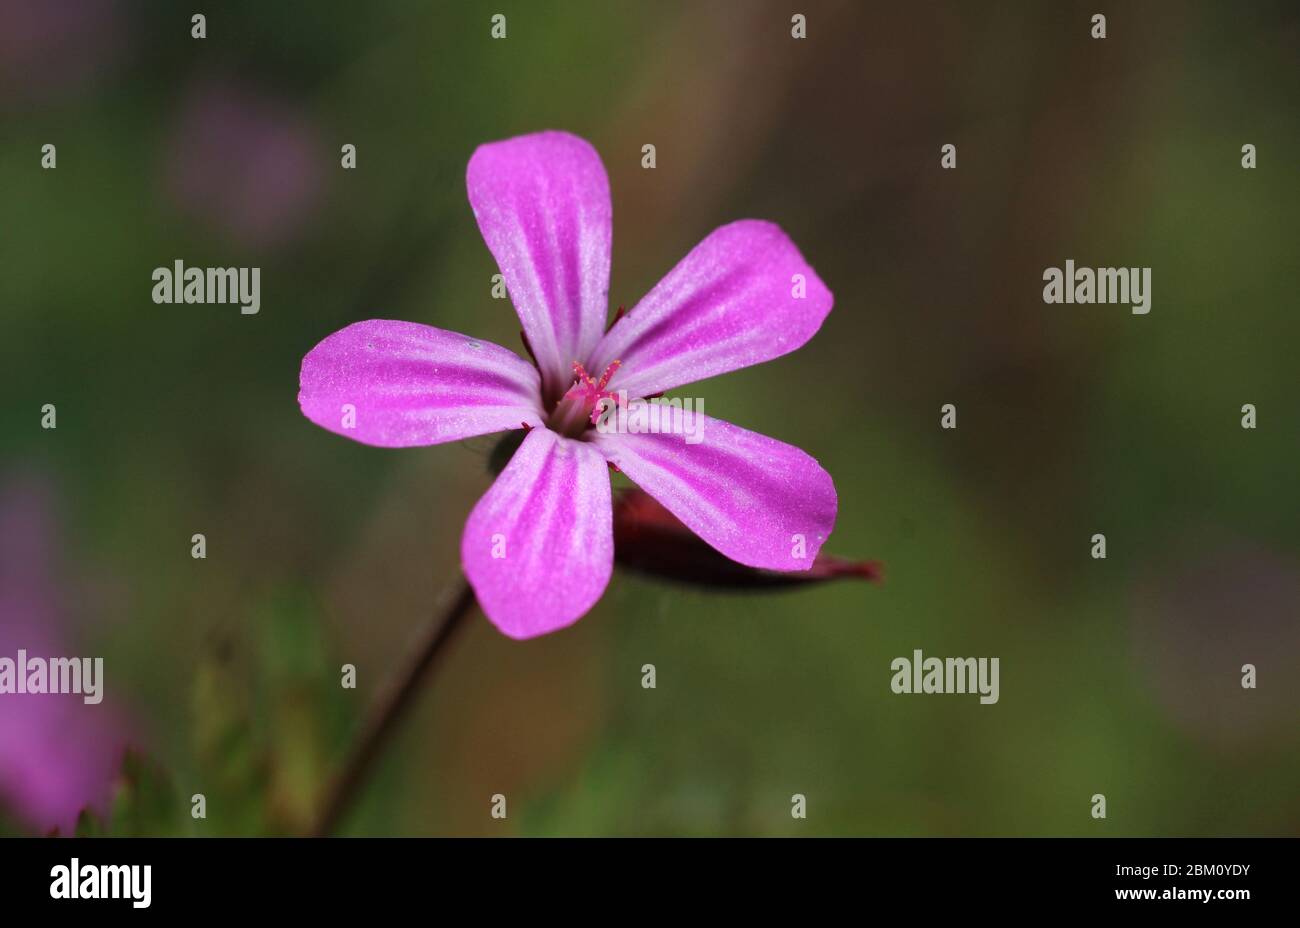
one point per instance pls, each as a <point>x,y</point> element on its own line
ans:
<point>244,164</point>
<point>50,48</point>
<point>58,755</point>
<point>539,547</point>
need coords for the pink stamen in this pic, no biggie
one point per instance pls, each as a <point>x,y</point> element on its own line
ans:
<point>590,392</point>
<point>609,372</point>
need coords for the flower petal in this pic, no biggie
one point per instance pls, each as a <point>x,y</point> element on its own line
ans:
<point>542,204</point>
<point>398,384</point>
<point>732,302</point>
<point>539,546</point>
<point>757,500</point>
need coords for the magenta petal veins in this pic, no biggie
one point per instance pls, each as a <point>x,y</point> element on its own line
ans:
<point>759,501</point>
<point>398,384</point>
<point>542,204</point>
<point>539,546</point>
<point>742,296</point>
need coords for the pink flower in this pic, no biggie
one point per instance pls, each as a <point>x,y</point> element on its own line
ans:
<point>58,755</point>
<point>538,548</point>
<point>50,51</point>
<point>264,197</point>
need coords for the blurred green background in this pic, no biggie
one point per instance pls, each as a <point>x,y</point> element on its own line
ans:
<point>1119,676</point>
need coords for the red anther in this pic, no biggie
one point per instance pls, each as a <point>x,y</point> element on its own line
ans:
<point>527,427</point>
<point>613,467</point>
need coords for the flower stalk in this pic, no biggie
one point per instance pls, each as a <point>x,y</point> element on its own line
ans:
<point>390,710</point>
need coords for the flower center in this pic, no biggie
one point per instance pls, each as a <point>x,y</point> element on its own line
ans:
<point>580,407</point>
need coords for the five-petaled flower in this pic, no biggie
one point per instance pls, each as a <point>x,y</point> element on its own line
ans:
<point>538,547</point>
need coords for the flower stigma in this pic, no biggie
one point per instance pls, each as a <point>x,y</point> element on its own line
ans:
<point>580,407</point>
